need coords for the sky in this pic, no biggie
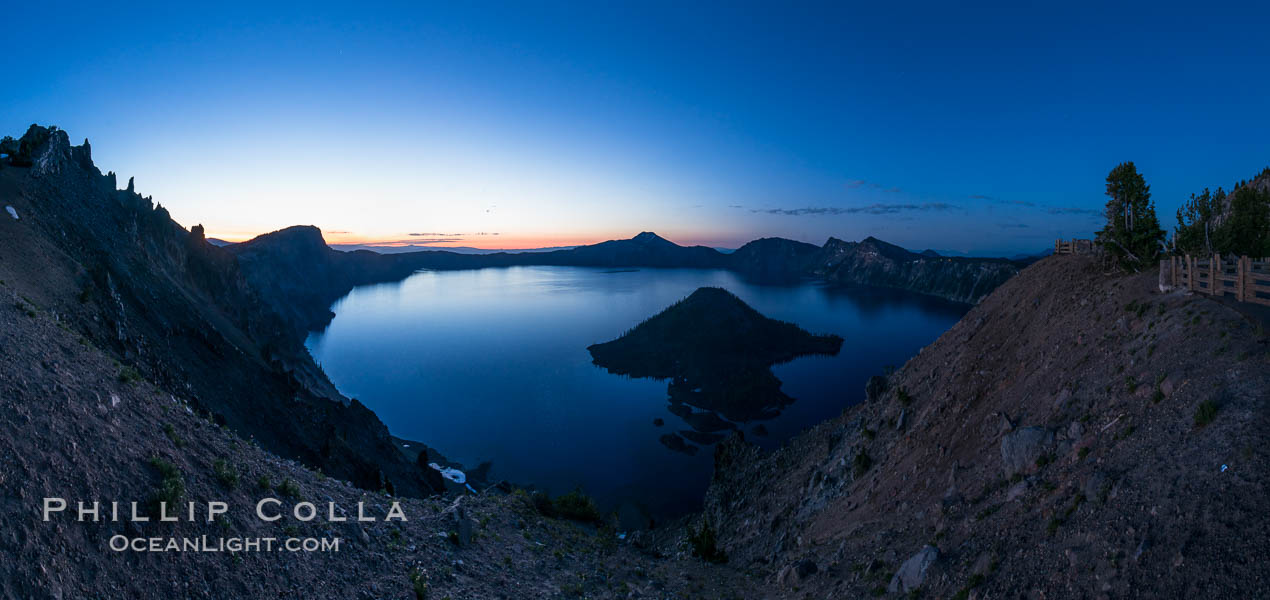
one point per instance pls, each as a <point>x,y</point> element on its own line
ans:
<point>985,128</point>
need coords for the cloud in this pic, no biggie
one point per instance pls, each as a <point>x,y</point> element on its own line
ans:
<point>1013,225</point>
<point>997,200</point>
<point>1074,210</point>
<point>428,234</point>
<point>872,209</point>
<point>859,183</point>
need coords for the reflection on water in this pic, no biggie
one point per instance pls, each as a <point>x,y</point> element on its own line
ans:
<point>492,365</point>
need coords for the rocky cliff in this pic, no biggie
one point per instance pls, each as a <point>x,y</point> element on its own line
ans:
<point>1075,435</point>
<point>173,309</point>
<point>875,262</point>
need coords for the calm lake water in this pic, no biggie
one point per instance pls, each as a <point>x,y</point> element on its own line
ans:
<point>492,365</point>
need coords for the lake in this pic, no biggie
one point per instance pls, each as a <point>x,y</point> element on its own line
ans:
<point>492,365</point>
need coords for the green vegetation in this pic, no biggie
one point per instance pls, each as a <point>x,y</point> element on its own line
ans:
<point>289,488</point>
<point>704,544</point>
<point>170,431</point>
<point>171,485</point>
<point>1205,413</point>
<point>418,583</point>
<point>1057,520</point>
<point>576,506</point>
<point>861,464</point>
<point>1221,223</point>
<point>1225,223</point>
<point>1132,236</point>
<point>226,474</point>
<point>264,483</point>
<point>129,374</point>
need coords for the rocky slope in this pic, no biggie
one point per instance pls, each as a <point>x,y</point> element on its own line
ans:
<point>1075,435</point>
<point>73,429</point>
<point>113,267</point>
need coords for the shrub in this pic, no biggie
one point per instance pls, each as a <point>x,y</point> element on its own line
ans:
<point>704,544</point>
<point>576,506</point>
<point>1205,413</point>
<point>264,483</point>
<point>289,488</point>
<point>171,485</point>
<point>170,431</point>
<point>129,374</point>
<point>226,474</point>
<point>861,464</point>
<point>419,584</point>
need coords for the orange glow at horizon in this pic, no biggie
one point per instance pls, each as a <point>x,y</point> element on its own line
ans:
<point>484,241</point>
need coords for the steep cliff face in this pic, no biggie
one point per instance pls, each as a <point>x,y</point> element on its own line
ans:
<point>299,276</point>
<point>1075,434</point>
<point>179,312</point>
<point>874,262</point>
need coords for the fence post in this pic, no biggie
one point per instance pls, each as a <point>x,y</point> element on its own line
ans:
<point>1173,271</point>
<point>1212,275</point>
<point>1190,272</point>
<point>1239,278</point>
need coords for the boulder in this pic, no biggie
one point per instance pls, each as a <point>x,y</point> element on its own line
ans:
<point>455,518</point>
<point>1021,448</point>
<point>796,574</point>
<point>913,572</point>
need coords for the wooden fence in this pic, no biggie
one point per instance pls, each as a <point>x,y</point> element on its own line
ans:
<point>1246,279</point>
<point>1073,246</point>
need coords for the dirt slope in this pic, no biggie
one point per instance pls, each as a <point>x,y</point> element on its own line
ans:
<point>74,430</point>
<point>1046,446</point>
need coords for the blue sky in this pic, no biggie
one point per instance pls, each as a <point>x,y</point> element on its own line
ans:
<point>985,128</point>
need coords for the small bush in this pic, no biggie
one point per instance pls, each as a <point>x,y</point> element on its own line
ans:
<point>171,485</point>
<point>576,506</point>
<point>289,488</point>
<point>170,431</point>
<point>226,474</point>
<point>129,374</point>
<point>704,544</point>
<point>419,584</point>
<point>902,395</point>
<point>264,483</point>
<point>1205,413</point>
<point>861,464</point>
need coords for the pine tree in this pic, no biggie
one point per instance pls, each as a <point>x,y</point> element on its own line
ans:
<point>1132,237</point>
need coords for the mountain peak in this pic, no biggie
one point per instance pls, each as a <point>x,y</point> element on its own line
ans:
<point>648,236</point>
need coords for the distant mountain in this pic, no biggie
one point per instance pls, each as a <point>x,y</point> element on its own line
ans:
<point>774,258</point>
<point>875,262</point>
<point>454,249</point>
<point>219,243</point>
<point>644,250</point>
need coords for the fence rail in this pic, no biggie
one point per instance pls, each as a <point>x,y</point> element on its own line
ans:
<point>1073,246</point>
<point>1247,279</point>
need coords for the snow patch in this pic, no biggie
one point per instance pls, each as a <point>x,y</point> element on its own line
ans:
<point>454,475</point>
<point>12,213</point>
